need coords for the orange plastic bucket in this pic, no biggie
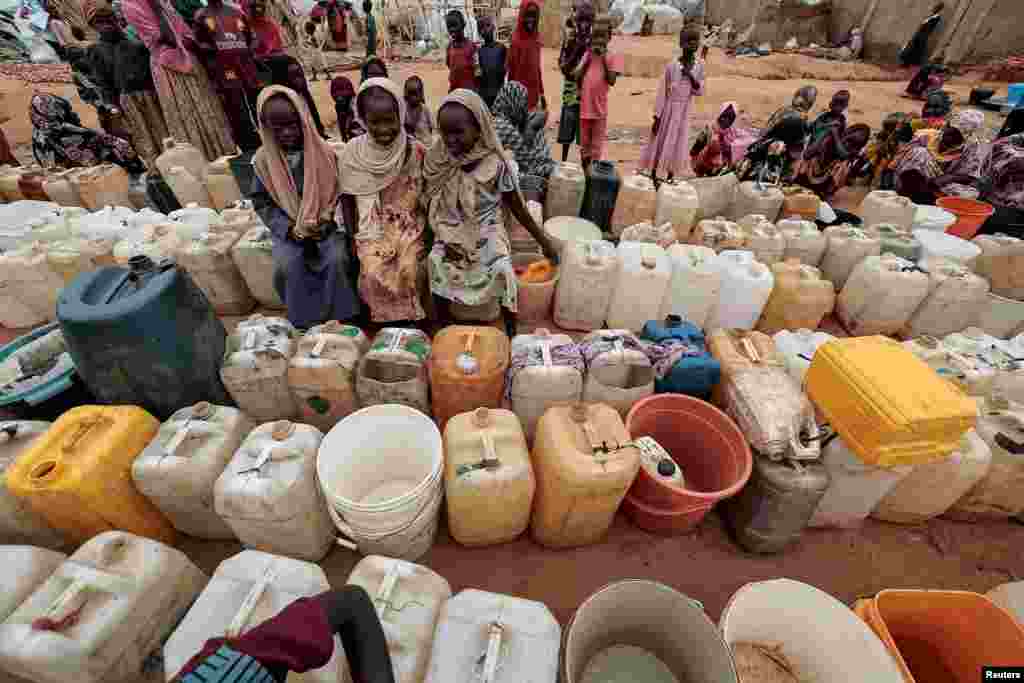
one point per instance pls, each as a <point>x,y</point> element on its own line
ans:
<point>970,215</point>
<point>945,636</point>
<point>710,450</point>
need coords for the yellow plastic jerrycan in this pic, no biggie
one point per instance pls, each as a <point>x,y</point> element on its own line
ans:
<point>488,478</point>
<point>584,465</point>
<point>78,475</point>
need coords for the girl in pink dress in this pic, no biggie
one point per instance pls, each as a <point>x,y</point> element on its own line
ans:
<point>668,152</point>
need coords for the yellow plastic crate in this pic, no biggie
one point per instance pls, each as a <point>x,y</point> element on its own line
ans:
<point>887,405</point>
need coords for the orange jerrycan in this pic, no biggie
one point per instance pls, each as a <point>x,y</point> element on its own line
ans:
<point>78,475</point>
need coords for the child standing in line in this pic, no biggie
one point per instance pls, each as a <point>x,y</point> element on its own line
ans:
<point>596,73</point>
<point>669,148</point>
<point>371,29</point>
<point>524,56</point>
<point>462,60</point>
<point>493,57</point>
<point>577,41</point>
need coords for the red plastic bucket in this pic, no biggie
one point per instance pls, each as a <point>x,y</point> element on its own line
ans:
<point>970,215</point>
<point>706,444</point>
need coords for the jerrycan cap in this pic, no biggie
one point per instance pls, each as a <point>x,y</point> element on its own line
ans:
<point>673,320</point>
<point>648,258</point>
<point>202,410</point>
<point>282,430</point>
<point>666,468</point>
<point>482,417</point>
<point>578,412</point>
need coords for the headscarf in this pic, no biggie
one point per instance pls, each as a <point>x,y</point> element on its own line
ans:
<point>726,136</point>
<point>47,113</point>
<point>510,118</point>
<point>320,179</point>
<point>341,86</point>
<point>414,117</point>
<point>804,98</point>
<point>511,104</point>
<point>520,37</point>
<point>140,14</point>
<point>366,167</point>
<point>372,60</point>
<point>969,123</point>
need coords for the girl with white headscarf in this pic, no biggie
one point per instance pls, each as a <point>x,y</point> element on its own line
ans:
<point>381,174</point>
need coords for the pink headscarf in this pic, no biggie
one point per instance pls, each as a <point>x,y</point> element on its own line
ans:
<point>728,135</point>
<point>140,14</point>
<point>320,180</point>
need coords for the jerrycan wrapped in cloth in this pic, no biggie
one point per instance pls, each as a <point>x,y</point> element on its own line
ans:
<point>494,639</point>
<point>885,206</point>
<point>619,372</point>
<point>19,523</point>
<point>247,590</point>
<point>26,568</point>
<point>773,413</point>
<point>322,372</point>
<point>847,247</point>
<point>194,220</point>
<point>235,219</point>
<point>682,363</point>
<point>77,475</point>
<point>467,370</point>
<point>489,481</point>
<point>752,197</point>
<point>255,370</point>
<point>661,234</point>
<point>253,254</point>
<point>179,468</point>
<point>1001,262</point>
<point>101,613</point>
<point>103,185</point>
<point>644,273</point>
<point>394,370</point>
<point>586,285</point>
<point>58,188</point>
<point>584,467</point>
<point>800,298</point>
<point>896,241</point>
<point>800,203</point>
<point>408,598</point>
<point>677,204</point>
<point>546,370</point>
<point>208,260</point>
<point>740,350</point>
<point>746,286</point>
<point>856,487</point>
<point>716,195</point>
<point>717,234</point>
<point>693,288</point>
<point>181,154</point>
<point>269,496</point>
<point>70,258</point>
<point>157,242</point>
<point>954,297</point>
<point>565,191</point>
<point>797,348</point>
<point>762,238</point>
<point>221,184</point>
<point>803,241</point>
<point>187,188</point>
<point>915,420</point>
<point>30,280</point>
<point>636,203</point>
<point>881,295</point>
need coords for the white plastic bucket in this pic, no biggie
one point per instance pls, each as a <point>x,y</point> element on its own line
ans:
<point>380,470</point>
<point>819,636</point>
<point>932,218</point>
<point>1000,317</point>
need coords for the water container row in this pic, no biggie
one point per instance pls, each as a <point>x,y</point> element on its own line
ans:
<point>977,362</point>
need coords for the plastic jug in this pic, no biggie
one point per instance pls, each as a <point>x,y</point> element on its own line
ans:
<point>51,227</point>
<point>636,203</point>
<point>19,523</point>
<point>30,184</point>
<point>896,241</point>
<point>144,336</point>
<point>773,509</point>
<point>467,370</point>
<point>104,185</point>
<point>947,246</point>
<point>676,204</point>
<point>718,234</point>
<point>797,348</point>
<point>187,188</point>
<point>885,422</point>
<point>546,369</point>
<point>746,286</point>
<point>693,288</point>
<point>408,598</point>
<point>586,285</point>
<point>881,295</point>
<point>496,638</point>
<point>1001,262</point>
<point>664,235</point>
<point>394,370</point>
<point>221,184</point>
<point>58,188</point>
<point>255,369</point>
<point>564,230</point>
<point>762,238</point>
<point>73,257</point>
<point>156,242</point>
<point>193,220</point>
<point>207,259</point>
<point>184,155</point>
<point>236,219</point>
<point>584,466</point>
<point>803,241</point>
<point>245,591</point>
<point>77,475</point>
<point>681,359</point>
<point>954,297</point>
<point>179,467</point>
<point>25,569</point>
<point>847,247</point>
<point>322,373</point>
<point>600,194</point>
<point>773,413</point>
<point>9,190</point>
<point>619,373</point>
<point>716,195</point>
<point>931,489</point>
<point>800,203</point>
<point>253,254</point>
<point>643,278</point>
<point>799,299</point>
<point>111,224</point>
<point>489,482</point>
<point>565,191</point>
<point>26,277</point>
<point>985,363</point>
<point>537,279</point>
<point>856,488</point>
<point>752,197</point>
<point>108,606</point>
<point>884,206</point>
<point>269,496</point>
<point>741,350</point>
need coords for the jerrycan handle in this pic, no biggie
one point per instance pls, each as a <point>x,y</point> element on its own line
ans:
<point>1011,446</point>
<point>495,632</point>
<point>84,427</point>
<point>237,624</point>
<point>382,600</point>
<point>10,429</point>
<point>490,459</point>
<point>578,413</point>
